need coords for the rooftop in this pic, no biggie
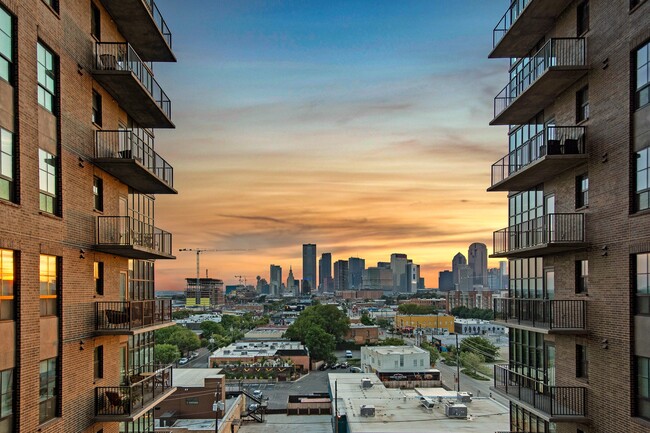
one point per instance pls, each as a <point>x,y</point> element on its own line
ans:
<point>257,348</point>
<point>193,377</point>
<point>290,424</point>
<point>392,350</point>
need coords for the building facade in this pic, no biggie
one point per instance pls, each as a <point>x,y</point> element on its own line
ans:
<point>204,292</point>
<point>398,264</point>
<point>356,267</point>
<point>309,267</point>
<point>458,261</point>
<point>435,322</point>
<point>477,261</point>
<point>341,275</point>
<point>325,282</point>
<point>275,275</point>
<point>577,237</point>
<point>78,175</point>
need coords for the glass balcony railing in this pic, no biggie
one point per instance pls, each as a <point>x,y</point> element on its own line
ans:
<point>127,316</point>
<point>550,314</point>
<point>128,237</point>
<point>554,401</point>
<point>547,231</point>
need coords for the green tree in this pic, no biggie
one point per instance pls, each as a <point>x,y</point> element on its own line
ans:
<point>321,345</point>
<point>433,352</point>
<point>392,341</point>
<point>181,314</point>
<point>328,317</point>
<point>210,328</point>
<point>179,336</point>
<point>165,354</point>
<point>162,335</point>
<point>383,323</point>
<point>416,309</point>
<point>480,346</point>
<point>471,361</point>
<point>366,320</point>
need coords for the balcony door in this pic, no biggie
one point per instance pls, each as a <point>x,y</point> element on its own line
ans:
<point>549,218</point>
<point>124,286</point>
<point>549,283</point>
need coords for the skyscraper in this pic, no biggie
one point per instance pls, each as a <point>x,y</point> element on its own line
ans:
<point>356,266</point>
<point>412,277</point>
<point>575,165</point>
<point>477,260</point>
<point>325,282</point>
<point>341,275</point>
<point>445,280</point>
<point>456,262</point>
<point>292,283</point>
<point>275,275</point>
<point>398,266</point>
<point>309,265</point>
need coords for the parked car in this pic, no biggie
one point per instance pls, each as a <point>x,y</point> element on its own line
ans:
<point>183,361</point>
<point>335,366</point>
<point>355,370</point>
<point>257,393</point>
<point>324,366</point>
<point>253,406</point>
<point>344,365</point>
<point>348,354</point>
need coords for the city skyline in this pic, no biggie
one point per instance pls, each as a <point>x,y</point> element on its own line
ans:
<point>357,126</point>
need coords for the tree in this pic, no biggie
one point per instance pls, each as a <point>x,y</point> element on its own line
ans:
<point>211,328</point>
<point>471,361</point>
<point>165,354</point>
<point>472,313</point>
<point>480,346</point>
<point>328,317</point>
<point>321,345</point>
<point>366,320</point>
<point>433,352</point>
<point>392,342</point>
<point>383,323</point>
<point>413,309</point>
<point>184,339</point>
<point>181,314</point>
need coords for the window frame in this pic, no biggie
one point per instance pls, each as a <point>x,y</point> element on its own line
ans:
<point>95,22</point>
<point>7,286</point>
<point>9,74</point>
<point>582,276</point>
<point>7,152</point>
<point>582,104</point>
<point>641,274</point>
<point>582,191</point>
<point>48,396</point>
<point>582,361</point>
<point>98,194</point>
<point>48,177</point>
<point>52,4</point>
<point>98,362</point>
<point>7,397</point>
<point>642,177</point>
<point>582,18</point>
<point>50,277</point>
<point>98,274</point>
<point>644,88</point>
<point>97,112</point>
<point>51,72</point>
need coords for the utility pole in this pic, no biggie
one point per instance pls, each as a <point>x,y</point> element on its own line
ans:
<point>457,364</point>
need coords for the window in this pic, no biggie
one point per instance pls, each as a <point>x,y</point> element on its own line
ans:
<point>7,272</point>
<point>583,18</point>
<point>582,276</point>
<point>582,364</point>
<point>582,104</point>
<point>95,22</point>
<point>582,191</point>
<point>48,390</point>
<point>46,78</point>
<point>97,108</point>
<point>401,360</point>
<point>98,193</point>
<point>54,4</point>
<point>642,284</point>
<point>643,387</point>
<point>99,277</point>
<point>49,285</point>
<point>47,181</point>
<point>642,196</point>
<point>415,363</point>
<point>98,362</point>
<point>6,164</point>
<point>6,45</point>
<point>6,400</point>
<point>642,76</point>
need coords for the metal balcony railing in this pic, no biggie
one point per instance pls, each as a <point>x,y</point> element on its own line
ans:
<point>125,144</point>
<point>132,315</point>
<point>557,52</point>
<point>119,56</point>
<point>555,228</point>
<point>570,401</point>
<point>507,20</point>
<point>159,20</point>
<point>552,140</point>
<point>127,231</point>
<point>126,401</point>
<point>542,313</point>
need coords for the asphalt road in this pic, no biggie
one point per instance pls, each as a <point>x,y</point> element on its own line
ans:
<point>278,393</point>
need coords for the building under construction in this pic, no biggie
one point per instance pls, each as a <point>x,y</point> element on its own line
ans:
<point>204,292</point>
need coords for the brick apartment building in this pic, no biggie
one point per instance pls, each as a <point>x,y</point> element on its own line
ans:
<point>78,170</point>
<point>578,235</point>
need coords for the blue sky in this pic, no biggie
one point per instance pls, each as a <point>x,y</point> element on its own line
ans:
<point>357,125</point>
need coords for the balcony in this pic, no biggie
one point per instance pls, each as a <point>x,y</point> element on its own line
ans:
<point>553,403</point>
<point>142,24</point>
<point>126,403</point>
<point>126,237</point>
<point>119,69</point>
<point>549,234</point>
<point>132,317</point>
<point>549,316</point>
<point>524,24</point>
<point>539,80</point>
<point>127,157</point>
<point>544,156</point>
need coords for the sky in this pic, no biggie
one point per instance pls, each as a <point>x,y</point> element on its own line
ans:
<point>357,125</point>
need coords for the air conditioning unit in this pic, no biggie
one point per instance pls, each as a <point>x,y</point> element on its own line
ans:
<point>455,410</point>
<point>367,410</point>
<point>464,397</point>
<point>366,383</point>
<point>226,352</point>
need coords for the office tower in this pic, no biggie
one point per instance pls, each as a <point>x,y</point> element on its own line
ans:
<point>377,278</point>
<point>325,282</point>
<point>341,275</point>
<point>465,278</point>
<point>291,283</point>
<point>78,171</point>
<point>398,266</point>
<point>412,277</point>
<point>477,260</point>
<point>275,286</point>
<point>383,265</point>
<point>456,262</point>
<point>356,267</point>
<point>577,105</point>
<point>204,292</point>
<point>503,270</point>
<point>309,265</point>
<point>445,280</point>
<point>421,284</point>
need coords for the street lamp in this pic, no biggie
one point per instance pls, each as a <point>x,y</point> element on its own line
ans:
<point>216,407</point>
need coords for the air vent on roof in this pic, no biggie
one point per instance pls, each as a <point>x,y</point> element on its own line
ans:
<point>366,383</point>
<point>367,410</point>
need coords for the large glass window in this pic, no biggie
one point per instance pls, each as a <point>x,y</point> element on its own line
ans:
<point>6,164</point>
<point>6,45</point>
<point>643,387</point>
<point>643,76</point>
<point>47,181</point>
<point>527,354</point>
<point>526,278</point>
<point>46,78</point>
<point>48,390</point>
<point>141,279</point>
<point>6,400</point>
<point>49,285</point>
<point>526,143</point>
<point>141,347</point>
<point>643,179</point>
<point>642,284</point>
<point>7,275</point>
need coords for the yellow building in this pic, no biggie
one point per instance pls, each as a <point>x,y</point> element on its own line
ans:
<point>431,321</point>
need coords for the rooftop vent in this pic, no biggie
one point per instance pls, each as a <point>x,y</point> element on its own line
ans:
<point>367,410</point>
<point>464,397</point>
<point>455,410</point>
<point>366,383</point>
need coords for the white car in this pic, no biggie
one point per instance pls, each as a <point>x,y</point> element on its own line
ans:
<point>183,361</point>
<point>257,393</point>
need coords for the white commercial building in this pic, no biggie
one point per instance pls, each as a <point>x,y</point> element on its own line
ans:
<point>394,359</point>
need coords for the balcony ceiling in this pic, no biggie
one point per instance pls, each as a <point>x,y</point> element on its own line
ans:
<point>136,414</point>
<point>539,171</point>
<point>132,251</point>
<point>133,173</point>
<point>537,19</point>
<point>545,249</point>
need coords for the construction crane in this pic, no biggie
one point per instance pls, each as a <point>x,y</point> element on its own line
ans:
<point>241,277</point>
<point>198,252</point>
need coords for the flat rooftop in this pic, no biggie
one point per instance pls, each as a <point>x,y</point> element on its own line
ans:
<point>392,350</point>
<point>250,349</point>
<point>401,410</point>
<point>290,424</point>
<point>193,377</point>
